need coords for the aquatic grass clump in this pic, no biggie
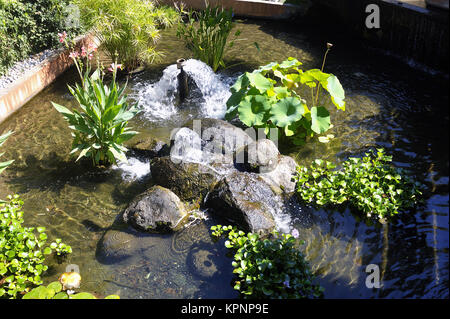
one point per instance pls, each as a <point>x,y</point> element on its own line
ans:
<point>269,268</point>
<point>206,34</point>
<point>127,29</point>
<point>370,184</point>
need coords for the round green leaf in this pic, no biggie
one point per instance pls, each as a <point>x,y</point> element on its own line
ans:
<point>253,109</point>
<point>320,119</point>
<point>287,111</point>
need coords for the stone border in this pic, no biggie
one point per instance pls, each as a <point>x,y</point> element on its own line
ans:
<point>249,8</point>
<point>15,95</point>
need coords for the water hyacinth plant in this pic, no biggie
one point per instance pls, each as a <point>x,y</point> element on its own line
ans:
<point>268,268</point>
<point>206,34</point>
<point>100,127</point>
<point>268,98</point>
<point>22,251</point>
<point>370,184</point>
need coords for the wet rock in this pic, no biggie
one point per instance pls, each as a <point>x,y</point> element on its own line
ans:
<point>147,146</point>
<point>156,210</point>
<point>259,156</point>
<point>116,245</point>
<point>246,200</point>
<point>219,136</point>
<point>281,178</point>
<point>190,181</point>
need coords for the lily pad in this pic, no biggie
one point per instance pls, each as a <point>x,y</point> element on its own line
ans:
<point>287,111</point>
<point>252,110</point>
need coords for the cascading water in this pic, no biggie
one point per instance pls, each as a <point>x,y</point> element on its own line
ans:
<point>159,99</point>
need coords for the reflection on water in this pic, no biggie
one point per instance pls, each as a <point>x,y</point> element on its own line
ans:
<point>388,105</point>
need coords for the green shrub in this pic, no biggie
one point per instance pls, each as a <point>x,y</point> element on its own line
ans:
<point>22,251</point>
<point>54,290</point>
<point>206,33</point>
<point>370,184</point>
<point>100,129</point>
<point>127,29</point>
<point>267,98</point>
<point>268,268</point>
<point>30,26</point>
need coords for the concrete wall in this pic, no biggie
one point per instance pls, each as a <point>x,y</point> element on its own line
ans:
<point>35,80</point>
<point>249,8</point>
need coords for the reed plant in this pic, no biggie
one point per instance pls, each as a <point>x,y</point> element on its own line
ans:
<point>127,29</point>
<point>206,34</point>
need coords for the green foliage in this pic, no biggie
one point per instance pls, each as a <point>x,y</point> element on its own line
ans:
<point>267,98</point>
<point>22,251</point>
<point>268,268</point>
<point>370,184</point>
<point>127,29</point>
<point>28,27</point>
<point>54,291</point>
<point>206,33</point>
<point>60,248</point>
<point>100,129</point>
<point>3,138</point>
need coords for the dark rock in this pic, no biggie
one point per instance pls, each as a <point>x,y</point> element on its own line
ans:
<point>156,210</point>
<point>147,146</point>
<point>247,200</point>
<point>190,181</point>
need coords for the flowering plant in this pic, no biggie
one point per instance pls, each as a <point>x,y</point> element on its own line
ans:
<point>100,127</point>
<point>269,268</point>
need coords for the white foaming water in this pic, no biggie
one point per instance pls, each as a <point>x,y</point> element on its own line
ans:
<point>158,99</point>
<point>135,169</point>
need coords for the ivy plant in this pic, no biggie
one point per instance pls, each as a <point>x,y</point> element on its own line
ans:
<point>54,290</point>
<point>370,184</point>
<point>268,268</point>
<point>268,98</point>
<point>22,251</point>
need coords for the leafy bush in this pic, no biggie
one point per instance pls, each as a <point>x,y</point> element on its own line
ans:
<point>206,33</point>
<point>268,268</point>
<point>100,129</point>
<point>54,290</point>
<point>370,184</point>
<point>22,251</point>
<point>28,27</point>
<point>127,29</point>
<point>267,98</point>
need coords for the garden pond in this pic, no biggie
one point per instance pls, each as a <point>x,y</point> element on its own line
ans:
<point>389,104</point>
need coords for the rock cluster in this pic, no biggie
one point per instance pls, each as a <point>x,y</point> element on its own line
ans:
<point>221,167</point>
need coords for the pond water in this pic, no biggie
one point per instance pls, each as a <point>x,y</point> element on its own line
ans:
<point>389,105</point>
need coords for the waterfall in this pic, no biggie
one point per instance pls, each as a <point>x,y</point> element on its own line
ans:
<point>158,100</point>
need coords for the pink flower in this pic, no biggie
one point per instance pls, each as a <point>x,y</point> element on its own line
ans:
<point>92,48</point>
<point>295,233</point>
<point>90,56</point>
<point>114,66</point>
<point>83,52</point>
<point>62,36</point>
<point>74,54</point>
